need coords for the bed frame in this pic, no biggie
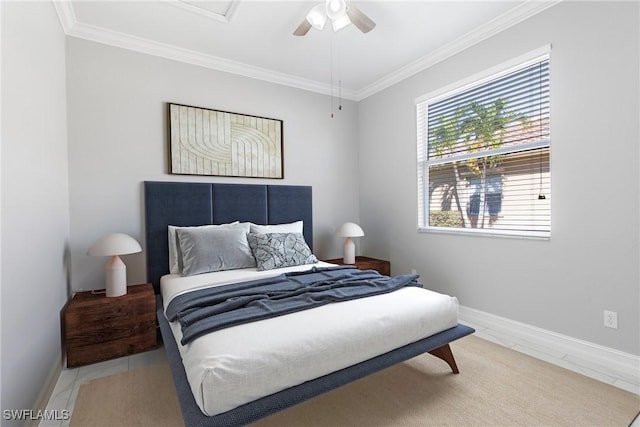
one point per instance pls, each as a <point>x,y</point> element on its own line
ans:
<point>186,203</point>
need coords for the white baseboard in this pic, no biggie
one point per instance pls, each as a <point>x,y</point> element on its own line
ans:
<point>47,390</point>
<point>623,366</point>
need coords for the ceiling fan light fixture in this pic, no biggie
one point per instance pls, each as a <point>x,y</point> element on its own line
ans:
<point>317,17</point>
<point>339,12</point>
<point>340,22</point>
<point>336,9</point>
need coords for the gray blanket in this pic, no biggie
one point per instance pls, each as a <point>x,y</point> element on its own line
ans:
<point>207,310</point>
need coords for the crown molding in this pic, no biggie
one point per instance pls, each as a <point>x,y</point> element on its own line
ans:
<point>491,28</point>
<point>73,28</point>
<point>150,47</point>
<point>66,15</point>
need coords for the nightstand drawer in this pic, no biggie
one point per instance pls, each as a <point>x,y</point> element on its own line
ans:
<point>366,263</point>
<point>98,328</point>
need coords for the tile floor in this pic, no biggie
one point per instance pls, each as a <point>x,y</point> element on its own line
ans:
<point>66,390</point>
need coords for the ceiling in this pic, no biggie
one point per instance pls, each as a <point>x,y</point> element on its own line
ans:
<point>255,38</point>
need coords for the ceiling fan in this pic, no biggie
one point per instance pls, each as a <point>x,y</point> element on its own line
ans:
<point>339,12</point>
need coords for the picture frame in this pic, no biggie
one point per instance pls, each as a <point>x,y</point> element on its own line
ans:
<point>211,142</point>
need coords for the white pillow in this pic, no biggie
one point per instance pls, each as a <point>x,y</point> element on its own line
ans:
<point>174,267</point>
<point>292,227</point>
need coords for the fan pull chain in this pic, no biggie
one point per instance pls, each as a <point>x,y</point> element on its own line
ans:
<point>339,79</point>
<point>331,71</point>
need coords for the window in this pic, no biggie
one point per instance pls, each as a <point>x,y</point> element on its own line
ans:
<point>484,152</point>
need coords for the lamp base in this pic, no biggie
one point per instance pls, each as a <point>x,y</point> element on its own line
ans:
<point>115,277</point>
<point>349,251</point>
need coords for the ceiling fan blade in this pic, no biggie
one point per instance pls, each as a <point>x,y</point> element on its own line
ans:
<point>302,29</point>
<point>359,19</point>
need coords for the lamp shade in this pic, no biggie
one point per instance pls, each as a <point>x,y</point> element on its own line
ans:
<point>349,229</point>
<point>115,244</point>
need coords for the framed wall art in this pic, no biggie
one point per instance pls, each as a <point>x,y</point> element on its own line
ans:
<point>220,143</point>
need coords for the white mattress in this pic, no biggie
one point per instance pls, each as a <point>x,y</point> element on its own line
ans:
<point>237,365</point>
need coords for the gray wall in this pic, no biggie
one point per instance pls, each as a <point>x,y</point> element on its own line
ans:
<point>118,138</point>
<point>361,165</point>
<point>591,262</point>
<point>35,200</point>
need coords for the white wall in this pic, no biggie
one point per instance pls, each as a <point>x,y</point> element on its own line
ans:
<point>118,138</point>
<point>591,262</point>
<point>35,200</point>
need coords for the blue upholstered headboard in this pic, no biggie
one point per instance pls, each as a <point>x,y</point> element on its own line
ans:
<point>187,203</point>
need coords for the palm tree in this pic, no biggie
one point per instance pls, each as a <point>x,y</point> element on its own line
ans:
<point>447,137</point>
<point>474,127</point>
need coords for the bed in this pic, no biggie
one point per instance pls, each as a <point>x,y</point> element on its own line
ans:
<point>313,358</point>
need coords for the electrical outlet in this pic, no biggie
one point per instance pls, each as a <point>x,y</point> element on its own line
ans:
<point>413,271</point>
<point>611,319</point>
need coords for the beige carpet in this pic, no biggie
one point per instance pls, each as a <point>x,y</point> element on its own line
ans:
<point>142,397</point>
<point>496,387</point>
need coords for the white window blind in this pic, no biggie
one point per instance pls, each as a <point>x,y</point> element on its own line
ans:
<point>484,154</point>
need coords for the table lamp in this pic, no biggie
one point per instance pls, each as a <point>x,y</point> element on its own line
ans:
<point>116,271</point>
<point>349,230</point>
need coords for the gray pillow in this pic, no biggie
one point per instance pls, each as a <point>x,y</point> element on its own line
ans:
<point>174,262</point>
<point>275,250</point>
<point>204,250</point>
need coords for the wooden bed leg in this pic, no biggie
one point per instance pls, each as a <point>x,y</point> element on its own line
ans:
<point>445,354</point>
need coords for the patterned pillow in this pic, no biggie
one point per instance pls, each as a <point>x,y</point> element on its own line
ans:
<point>275,250</point>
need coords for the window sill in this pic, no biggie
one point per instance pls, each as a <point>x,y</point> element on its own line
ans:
<point>544,236</point>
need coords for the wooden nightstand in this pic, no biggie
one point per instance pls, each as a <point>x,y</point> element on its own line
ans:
<point>98,328</point>
<point>366,263</point>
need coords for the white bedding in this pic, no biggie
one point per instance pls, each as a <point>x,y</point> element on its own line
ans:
<point>240,364</point>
